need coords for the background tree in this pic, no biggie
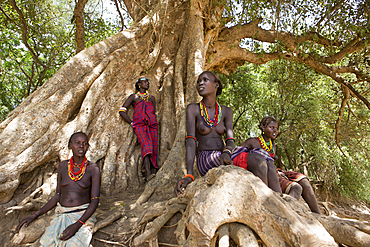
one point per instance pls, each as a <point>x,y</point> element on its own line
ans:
<point>37,39</point>
<point>305,105</point>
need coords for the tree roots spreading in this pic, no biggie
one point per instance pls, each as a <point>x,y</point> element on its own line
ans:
<point>227,207</point>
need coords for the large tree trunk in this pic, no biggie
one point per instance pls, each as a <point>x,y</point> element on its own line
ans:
<point>85,95</point>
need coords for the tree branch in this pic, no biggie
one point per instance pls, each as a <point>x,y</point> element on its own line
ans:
<point>120,15</point>
<point>78,18</point>
<point>339,119</point>
<point>331,12</point>
<point>24,32</point>
<point>226,55</point>
<point>351,69</point>
<point>323,69</point>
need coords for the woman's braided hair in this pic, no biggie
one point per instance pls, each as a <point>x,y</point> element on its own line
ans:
<point>266,121</point>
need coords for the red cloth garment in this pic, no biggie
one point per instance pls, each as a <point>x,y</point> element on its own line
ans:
<point>146,129</point>
<point>241,160</point>
<point>288,178</point>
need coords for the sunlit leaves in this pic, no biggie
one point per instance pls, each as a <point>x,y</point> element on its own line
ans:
<point>50,34</point>
<point>306,106</point>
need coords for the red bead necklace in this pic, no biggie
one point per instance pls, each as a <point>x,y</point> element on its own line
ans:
<point>75,176</point>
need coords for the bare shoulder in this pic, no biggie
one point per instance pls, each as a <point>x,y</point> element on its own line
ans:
<point>251,143</point>
<point>192,107</point>
<point>63,165</point>
<point>93,167</point>
<point>226,109</point>
<point>131,97</point>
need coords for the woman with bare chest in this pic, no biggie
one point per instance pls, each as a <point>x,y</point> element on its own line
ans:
<point>77,197</point>
<point>206,123</point>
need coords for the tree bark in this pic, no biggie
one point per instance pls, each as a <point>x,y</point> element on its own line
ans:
<point>78,17</point>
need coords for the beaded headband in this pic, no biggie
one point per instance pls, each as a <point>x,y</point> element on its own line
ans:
<point>142,79</point>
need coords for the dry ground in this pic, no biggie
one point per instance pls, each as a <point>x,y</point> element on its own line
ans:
<point>120,232</point>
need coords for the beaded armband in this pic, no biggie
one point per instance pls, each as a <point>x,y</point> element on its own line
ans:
<point>189,176</point>
<point>192,137</point>
<point>83,223</point>
<point>230,138</point>
<point>123,109</point>
<point>226,151</point>
<point>96,197</point>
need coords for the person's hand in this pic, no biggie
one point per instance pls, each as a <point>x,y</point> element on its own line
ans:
<point>70,231</point>
<point>181,186</point>
<point>26,221</point>
<point>225,159</point>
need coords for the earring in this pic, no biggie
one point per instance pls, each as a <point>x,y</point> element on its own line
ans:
<point>139,86</point>
<point>263,132</point>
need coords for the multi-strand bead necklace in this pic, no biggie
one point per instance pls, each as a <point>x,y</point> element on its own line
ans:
<point>268,147</point>
<point>75,176</point>
<point>143,96</point>
<point>206,119</point>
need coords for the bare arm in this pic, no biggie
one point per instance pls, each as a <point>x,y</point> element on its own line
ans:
<point>153,101</point>
<point>230,145</point>
<point>49,205</point>
<point>127,103</point>
<point>190,148</point>
<point>251,143</point>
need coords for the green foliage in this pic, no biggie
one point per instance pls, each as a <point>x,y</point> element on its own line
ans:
<point>50,35</point>
<point>306,106</point>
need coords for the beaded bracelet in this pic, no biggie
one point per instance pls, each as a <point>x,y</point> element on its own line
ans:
<point>189,176</point>
<point>35,214</point>
<point>96,197</point>
<point>230,138</point>
<point>124,109</point>
<point>83,223</point>
<point>193,137</point>
<point>226,151</point>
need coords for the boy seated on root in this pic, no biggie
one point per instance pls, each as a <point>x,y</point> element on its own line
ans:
<point>77,197</point>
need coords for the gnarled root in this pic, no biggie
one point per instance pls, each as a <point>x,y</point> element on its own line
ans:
<point>242,235</point>
<point>153,227</point>
<point>46,189</point>
<point>346,232</point>
<point>33,232</point>
<point>107,221</point>
<point>231,194</point>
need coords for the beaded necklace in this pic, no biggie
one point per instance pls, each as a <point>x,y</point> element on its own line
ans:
<point>206,119</point>
<point>75,176</point>
<point>143,96</point>
<point>264,145</point>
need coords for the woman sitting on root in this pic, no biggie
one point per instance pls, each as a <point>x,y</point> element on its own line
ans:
<point>77,197</point>
<point>206,123</point>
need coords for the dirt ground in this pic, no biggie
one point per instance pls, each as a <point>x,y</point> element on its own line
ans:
<point>120,232</point>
